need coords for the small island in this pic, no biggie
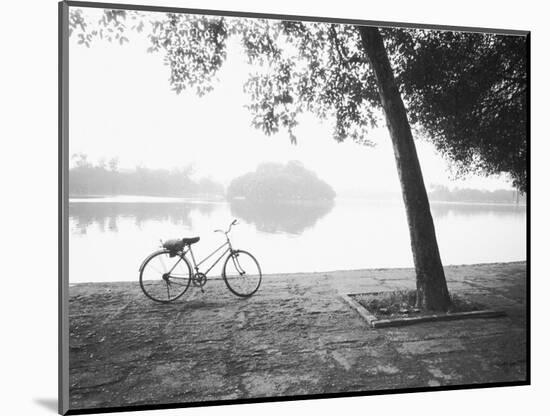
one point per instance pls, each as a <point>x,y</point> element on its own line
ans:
<point>277,182</point>
<point>279,197</point>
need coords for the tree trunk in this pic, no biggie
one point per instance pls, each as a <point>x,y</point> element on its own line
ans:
<point>432,292</point>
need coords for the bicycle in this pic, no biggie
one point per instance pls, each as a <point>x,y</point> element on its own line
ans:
<point>166,274</point>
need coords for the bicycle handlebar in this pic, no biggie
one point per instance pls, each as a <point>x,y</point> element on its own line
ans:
<point>234,222</point>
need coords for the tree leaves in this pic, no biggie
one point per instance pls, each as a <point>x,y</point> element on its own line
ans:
<point>310,70</point>
<point>111,26</point>
<point>194,48</point>
<point>465,91</point>
<point>468,92</point>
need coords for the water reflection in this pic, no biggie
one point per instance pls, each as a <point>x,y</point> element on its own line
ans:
<point>291,217</point>
<point>109,239</point>
<point>106,215</point>
<point>277,217</point>
<point>443,209</point>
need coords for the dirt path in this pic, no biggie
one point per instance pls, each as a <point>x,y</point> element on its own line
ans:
<point>295,336</point>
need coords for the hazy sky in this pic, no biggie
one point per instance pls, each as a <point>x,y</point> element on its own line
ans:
<point>121,105</point>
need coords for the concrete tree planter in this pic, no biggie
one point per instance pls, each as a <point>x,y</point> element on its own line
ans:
<point>376,322</point>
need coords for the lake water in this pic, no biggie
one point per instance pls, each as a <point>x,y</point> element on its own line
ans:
<point>110,237</point>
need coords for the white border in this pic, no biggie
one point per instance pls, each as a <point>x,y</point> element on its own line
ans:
<point>29,214</point>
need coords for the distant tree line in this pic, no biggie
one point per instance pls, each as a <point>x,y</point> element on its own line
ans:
<point>442,193</point>
<point>105,178</point>
<point>280,182</point>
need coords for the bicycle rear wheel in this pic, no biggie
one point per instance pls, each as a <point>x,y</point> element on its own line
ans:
<point>242,273</point>
<point>163,278</point>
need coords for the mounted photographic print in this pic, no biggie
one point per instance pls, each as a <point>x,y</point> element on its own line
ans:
<point>259,207</point>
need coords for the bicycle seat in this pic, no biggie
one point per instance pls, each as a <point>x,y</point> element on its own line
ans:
<point>178,244</point>
<point>189,241</point>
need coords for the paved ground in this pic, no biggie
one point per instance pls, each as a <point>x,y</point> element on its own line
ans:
<point>295,336</point>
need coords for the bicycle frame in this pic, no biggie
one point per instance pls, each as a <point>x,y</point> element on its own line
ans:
<point>226,245</point>
<point>196,265</point>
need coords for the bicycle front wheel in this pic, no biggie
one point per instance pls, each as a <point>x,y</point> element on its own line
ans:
<point>242,273</point>
<point>163,278</point>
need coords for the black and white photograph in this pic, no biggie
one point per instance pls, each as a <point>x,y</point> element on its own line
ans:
<point>261,207</point>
